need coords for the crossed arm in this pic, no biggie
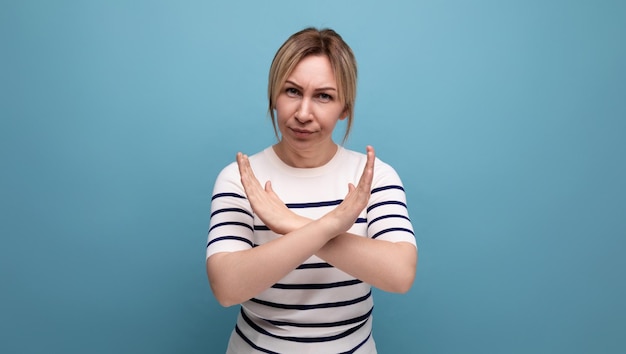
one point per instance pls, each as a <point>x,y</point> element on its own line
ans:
<point>234,276</point>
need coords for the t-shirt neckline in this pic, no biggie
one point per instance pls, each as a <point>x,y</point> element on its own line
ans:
<point>299,171</point>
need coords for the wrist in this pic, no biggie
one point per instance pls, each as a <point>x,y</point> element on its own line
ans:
<point>330,225</point>
<point>293,223</point>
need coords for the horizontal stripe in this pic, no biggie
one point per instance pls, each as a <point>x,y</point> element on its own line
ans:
<point>234,195</point>
<point>324,324</point>
<point>231,223</point>
<point>264,350</point>
<point>388,202</point>
<point>237,210</point>
<point>358,345</point>
<point>338,284</point>
<point>265,228</point>
<point>314,266</point>
<point>343,334</point>
<point>384,188</point>
<point>232,238</point>
<point>250,343</point>
<point>389,216</point>
<point>313,306</point>
<point>391,230</point>
<point>314,204</point>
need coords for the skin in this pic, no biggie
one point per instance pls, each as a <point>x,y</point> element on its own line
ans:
<point>307,112</point>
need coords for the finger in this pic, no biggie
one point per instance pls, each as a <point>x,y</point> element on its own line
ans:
<point>270,191</point>
<point>248,179</point>
<point>371,158</point>
<point>268,186</point>
<point>248,168</point>
<point>241,165</point>
<point>238,159</point>
<point>367,176</point>
<point>243,172</point>
<point>371,155</point>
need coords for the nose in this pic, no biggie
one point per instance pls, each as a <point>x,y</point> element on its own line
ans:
<point>303,114</point>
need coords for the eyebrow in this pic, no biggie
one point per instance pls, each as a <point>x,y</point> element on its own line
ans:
<point>326,88</point>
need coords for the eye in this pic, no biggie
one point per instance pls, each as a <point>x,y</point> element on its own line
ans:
<point>324,97</point>
<point>292,92</point>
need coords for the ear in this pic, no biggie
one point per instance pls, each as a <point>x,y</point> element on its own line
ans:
<point>344,114</point>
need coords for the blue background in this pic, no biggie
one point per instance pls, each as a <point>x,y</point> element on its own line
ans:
<point>505,119</point>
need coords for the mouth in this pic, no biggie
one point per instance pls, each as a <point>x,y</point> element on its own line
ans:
<point>301,133</point>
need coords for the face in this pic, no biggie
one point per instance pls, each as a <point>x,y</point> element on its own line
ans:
<point>308,109</point>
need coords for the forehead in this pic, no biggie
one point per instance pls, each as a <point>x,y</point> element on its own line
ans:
<point>313,69</point>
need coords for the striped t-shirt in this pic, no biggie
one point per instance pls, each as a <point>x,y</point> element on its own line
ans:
<point>316,308</point>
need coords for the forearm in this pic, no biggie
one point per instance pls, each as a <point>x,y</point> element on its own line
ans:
<point>238,276</point>
<point>385,265</point>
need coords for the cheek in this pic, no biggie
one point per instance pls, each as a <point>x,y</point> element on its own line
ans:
<point>282,109</point>
<point>333,115</point>
<point>281,117</point>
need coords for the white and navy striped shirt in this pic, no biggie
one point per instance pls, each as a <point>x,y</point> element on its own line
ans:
<point>316,308</point>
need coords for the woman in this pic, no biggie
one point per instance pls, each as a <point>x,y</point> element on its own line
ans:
<point>301,252</point>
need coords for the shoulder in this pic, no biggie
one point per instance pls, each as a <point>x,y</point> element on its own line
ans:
<point>232,170</point>
<point>381,168</point>
<point>229,175</point>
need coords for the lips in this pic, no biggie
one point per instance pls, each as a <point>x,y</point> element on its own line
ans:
<point>301,133</point>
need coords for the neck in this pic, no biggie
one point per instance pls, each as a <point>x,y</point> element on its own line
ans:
<point>309,158</point>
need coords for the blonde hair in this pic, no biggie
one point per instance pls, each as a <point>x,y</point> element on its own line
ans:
<point>312,41</point>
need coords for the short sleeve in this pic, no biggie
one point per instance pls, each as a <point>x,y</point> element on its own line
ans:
<point>231,226</point>
<point>387,211</point>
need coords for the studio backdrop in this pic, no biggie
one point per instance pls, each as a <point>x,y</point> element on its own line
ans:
<point>505,120</point>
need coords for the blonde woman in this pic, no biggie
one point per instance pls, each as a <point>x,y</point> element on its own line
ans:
<point>302,230</point>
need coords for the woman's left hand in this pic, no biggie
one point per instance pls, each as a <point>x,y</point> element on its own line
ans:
<point>265,202</point>
<point>346,213</point>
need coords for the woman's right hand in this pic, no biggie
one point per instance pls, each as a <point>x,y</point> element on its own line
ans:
<point>265,202</point>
